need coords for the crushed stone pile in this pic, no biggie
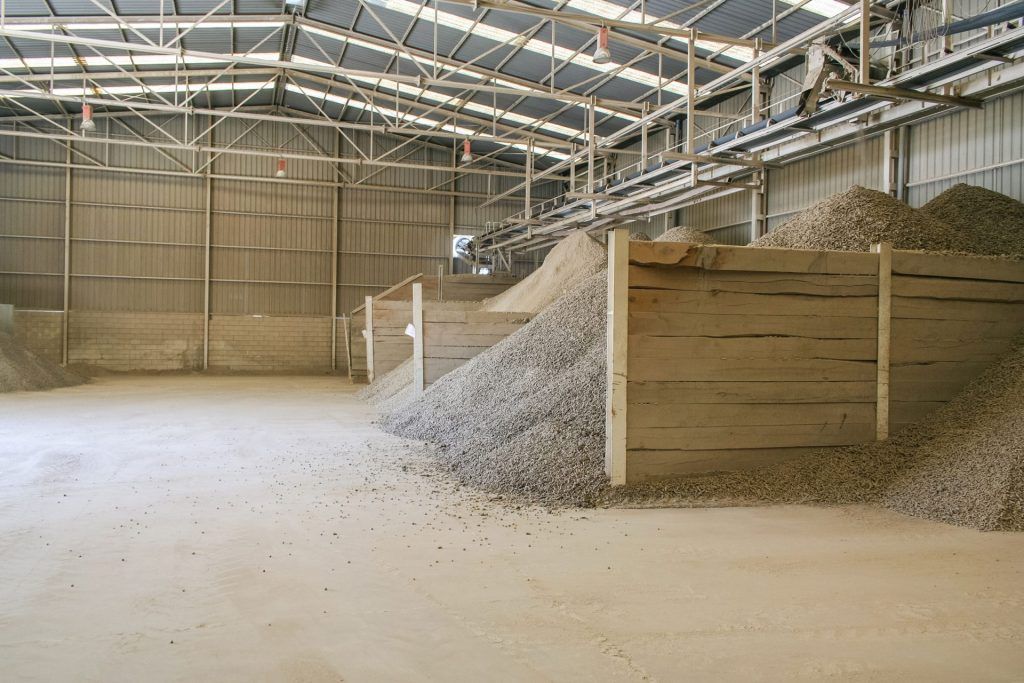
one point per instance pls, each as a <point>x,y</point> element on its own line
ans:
<point>856,219</point>
<point>389,385</point>
<point>993,222</point>
<point>970,469</point>
<point>685,234</point>
<point>572,260</point>
<point>22,370</point>
<point>963,465</point>
<point>525,418</point>
<point>639,237</point>
<point>540,436</point>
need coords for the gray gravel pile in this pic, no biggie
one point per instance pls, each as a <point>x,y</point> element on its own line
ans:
<point>993,222</point>
<point>639,237</point>
<point>856,219</point>
<point>525,419</point>
<point>387,386</point>
<point>22,370</point>
<point>970,472</point>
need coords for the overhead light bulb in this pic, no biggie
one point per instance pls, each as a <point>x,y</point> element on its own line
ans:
<point>282,168</point>
<point>87,122</point>
<point>602,55</point>
<point>467,153</point>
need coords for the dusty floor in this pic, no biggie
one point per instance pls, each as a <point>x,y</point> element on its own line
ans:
<point>222,529</point>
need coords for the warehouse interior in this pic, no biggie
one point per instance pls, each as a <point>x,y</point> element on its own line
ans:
<point>511,340</point>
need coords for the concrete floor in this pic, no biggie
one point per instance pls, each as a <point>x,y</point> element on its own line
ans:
<point>241,529</point>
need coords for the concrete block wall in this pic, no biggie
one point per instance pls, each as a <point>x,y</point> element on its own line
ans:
<point>130,341</point>
<point>40,331</point>
<point>270,343</point>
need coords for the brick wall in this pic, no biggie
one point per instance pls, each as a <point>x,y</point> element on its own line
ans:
<point>270,343</point>
<point>123,340</point>
<point>40,331</point>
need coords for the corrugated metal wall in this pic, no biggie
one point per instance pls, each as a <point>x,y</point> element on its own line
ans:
<point>979,147</point>
<point>138,239</point>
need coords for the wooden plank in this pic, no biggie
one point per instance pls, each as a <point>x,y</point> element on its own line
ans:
<point>946,288</point>
<point>752,436</point>
<point>908,412</point>
<point>722,257</point>
<point>368,312</point>
<point>463,352</point>
<point>616,417</point>
<point>957,266</point>
<point>930,349</point>
<point>436,331</point>
<point>755,414</point>
<point>436,368</point>
<point>443,338</point>
<point>956,371</point>
<point>885,312</point>
<point>645,465</point>
<point>818,327</point>
<point>693,279</point>
<point>919,328</point>
<point>718,303</point>
<point>680,348</point>
<point>953,309</point>
<point>417,341</point>
<point>389,291</point>
<point>665,393</point>
<point>430,305</point>
<point>431,315</point>
<point>751,370</point>
<point>926,390</point>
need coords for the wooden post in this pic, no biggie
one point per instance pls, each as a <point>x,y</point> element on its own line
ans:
<point>368,311</point>
<point>417,340</point>
<point>884,251</point>
<point>618,310</point>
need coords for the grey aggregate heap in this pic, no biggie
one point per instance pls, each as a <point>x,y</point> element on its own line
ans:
<point>22,370</point>
<point>525,419</point>
<point>993,222</point>
<point>856,219</point>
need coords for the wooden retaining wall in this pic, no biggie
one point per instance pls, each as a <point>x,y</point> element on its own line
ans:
<point>731,357</point>
<point>447,335</point>
<point>448,288</point>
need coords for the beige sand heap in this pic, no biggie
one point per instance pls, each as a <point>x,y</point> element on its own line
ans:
<point>685,234</point>
<point>22,370</point>
<point>856,219</point>
<point>639,237</point>
<point>572,260</point>
<point>993,222</point>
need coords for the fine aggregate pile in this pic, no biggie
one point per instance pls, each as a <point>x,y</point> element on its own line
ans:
<point>685,234</point>
<point>22,370</point>
<point>573,259</point>
<point>856,219</point>
<point>525,419</point>
<point>639,237</point>
<point>993,222</point>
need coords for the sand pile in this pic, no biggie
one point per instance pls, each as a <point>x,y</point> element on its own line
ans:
<point>540,436</point>
<point>993,222</point>
<point>856,219</point>
<point>639,237</point>
<point>684,234</point>
<point>573,259</point>
<point>22,370</point>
